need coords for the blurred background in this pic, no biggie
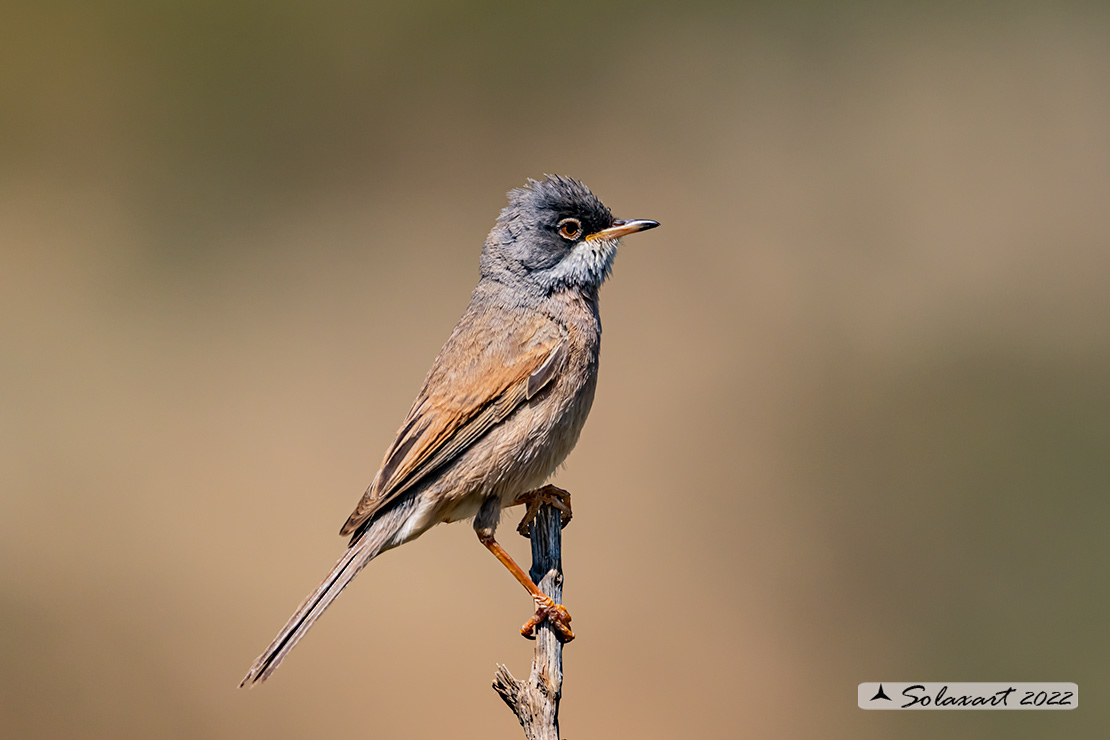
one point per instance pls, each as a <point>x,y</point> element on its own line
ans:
<point>854,409</point>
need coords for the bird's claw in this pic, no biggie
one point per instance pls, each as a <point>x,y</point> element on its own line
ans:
<point>549,494</point>
<point>557,614</point>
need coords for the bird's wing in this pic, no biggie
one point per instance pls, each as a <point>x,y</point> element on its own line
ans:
<point>480,376</point>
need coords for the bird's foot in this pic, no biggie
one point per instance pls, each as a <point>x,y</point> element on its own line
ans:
<point>547,609</point>
<point>549,494</point>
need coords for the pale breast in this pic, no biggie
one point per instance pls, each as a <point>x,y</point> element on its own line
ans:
<point>523,451</point>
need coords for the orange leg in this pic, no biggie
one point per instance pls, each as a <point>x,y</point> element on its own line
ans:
<point>549,494</point>
<point>545,607</point>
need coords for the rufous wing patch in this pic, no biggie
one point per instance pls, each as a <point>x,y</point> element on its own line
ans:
<point>449,416</point>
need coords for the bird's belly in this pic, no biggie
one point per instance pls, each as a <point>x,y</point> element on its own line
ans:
<point>518,455</point>
<point>554,435</point>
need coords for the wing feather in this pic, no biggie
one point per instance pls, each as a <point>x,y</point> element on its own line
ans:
<point>470,389</point>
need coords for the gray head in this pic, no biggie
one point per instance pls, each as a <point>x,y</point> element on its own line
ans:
<point>554,235</point>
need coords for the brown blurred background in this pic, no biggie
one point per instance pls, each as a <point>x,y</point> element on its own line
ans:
<point>854,410</point>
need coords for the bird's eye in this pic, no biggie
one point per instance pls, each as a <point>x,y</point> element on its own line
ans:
<point>570,228</point>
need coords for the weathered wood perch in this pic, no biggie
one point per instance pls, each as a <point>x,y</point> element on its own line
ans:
<point>536,701</point>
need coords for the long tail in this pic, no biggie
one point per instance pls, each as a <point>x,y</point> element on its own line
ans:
<point>365,547</point>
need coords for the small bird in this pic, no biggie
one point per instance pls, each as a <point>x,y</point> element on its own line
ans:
<point>504,402</point>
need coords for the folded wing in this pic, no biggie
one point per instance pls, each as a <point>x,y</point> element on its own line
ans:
<point>470,389</point>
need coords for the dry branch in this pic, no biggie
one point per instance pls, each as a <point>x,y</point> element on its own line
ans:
<point>536,701</point>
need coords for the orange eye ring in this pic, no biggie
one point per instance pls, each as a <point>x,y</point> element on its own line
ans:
<point>570,228</point>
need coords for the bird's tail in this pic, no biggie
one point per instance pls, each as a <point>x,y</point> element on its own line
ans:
<point>365,547</point>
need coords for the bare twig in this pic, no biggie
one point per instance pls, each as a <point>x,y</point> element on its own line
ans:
<point>536,701</point>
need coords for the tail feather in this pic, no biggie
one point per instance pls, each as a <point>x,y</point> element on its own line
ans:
<point>364,548</point>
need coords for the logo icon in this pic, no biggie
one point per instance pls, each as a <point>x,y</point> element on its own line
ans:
<point>881,694</point>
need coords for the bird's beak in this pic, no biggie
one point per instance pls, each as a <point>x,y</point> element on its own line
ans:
<point>623,228</point>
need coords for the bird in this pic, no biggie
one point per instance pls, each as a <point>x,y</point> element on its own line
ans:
<point>503,403</point>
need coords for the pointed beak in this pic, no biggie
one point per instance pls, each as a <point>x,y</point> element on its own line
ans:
<point>623,228</point>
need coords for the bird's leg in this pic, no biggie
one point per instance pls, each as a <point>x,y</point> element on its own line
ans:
<point>549,494</point>
<point>546,608</point>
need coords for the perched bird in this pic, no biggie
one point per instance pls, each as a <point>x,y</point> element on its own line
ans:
<point>505,399</point>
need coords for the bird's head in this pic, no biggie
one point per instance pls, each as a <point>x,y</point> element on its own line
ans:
<point>555,234</point>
